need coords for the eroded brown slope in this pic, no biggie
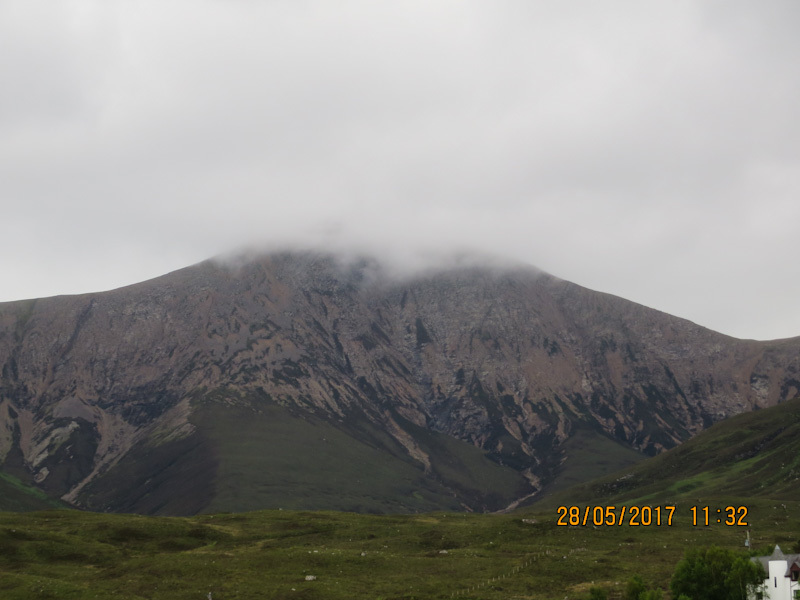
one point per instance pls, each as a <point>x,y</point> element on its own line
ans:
<point>506,360</point>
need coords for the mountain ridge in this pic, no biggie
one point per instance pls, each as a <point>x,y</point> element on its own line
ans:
<point>506,360</point>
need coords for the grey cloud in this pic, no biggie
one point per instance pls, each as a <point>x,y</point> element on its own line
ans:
<point>648,150</point>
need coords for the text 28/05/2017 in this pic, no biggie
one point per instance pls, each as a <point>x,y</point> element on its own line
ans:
<point>646,516</point>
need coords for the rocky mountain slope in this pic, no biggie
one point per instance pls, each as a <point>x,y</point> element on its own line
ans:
<point>457,388</point>
<point>751,455</point>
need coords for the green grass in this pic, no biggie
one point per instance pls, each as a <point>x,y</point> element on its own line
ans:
<point>751,455</point>
<point>16,496</point>
<point>587,456</point>
<point>269,457</point>
<point>525,555</point>
<point>250,453</point>
<point>268,554</point>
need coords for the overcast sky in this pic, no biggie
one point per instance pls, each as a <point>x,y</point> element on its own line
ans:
<point>646,149</point>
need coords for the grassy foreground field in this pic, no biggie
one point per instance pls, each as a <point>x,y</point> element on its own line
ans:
<point>269,554</point>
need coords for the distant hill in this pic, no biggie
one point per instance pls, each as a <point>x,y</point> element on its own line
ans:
<point>753,455</point>
<point>16,496</point>
<point>302,380</point>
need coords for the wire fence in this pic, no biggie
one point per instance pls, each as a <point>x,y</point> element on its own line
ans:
<point>478,586</point>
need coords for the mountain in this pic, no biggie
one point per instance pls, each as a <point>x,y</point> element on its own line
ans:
<point>748,456</point>
<point>301,380</point>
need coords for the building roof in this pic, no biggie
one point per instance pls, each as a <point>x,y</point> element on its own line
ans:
<point>794,565</point>
<point>792,560</point>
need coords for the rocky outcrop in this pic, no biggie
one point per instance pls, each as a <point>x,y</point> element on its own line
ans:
<point>508,360</point>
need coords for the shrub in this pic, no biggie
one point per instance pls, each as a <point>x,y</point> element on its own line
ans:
<point>597,593</point>
<point>634,588</point>
<point>715,574</point>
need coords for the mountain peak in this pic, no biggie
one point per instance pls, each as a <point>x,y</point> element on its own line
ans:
<point>456,375</point>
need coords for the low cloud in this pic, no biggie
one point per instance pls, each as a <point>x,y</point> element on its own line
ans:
<point>646,151</point>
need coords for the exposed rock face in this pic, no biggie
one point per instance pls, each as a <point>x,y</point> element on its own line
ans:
<point>507,360</point>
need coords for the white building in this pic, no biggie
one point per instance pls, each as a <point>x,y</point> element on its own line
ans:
<point>783,572</point>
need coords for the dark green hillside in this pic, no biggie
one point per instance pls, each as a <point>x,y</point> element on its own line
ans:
<point>753,455</point>
<point>295,461</point>
<point>15,495</point>
<point>587,455</point>
<point>248,453</point>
